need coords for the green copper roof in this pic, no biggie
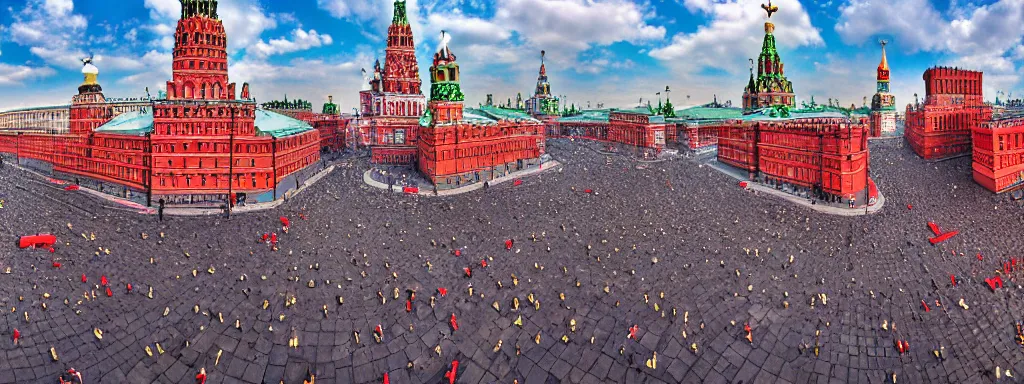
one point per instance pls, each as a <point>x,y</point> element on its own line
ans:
<point>139,123</point>
<point>588,116</point>
<point>135,123</point>
<point>707,113</point>
<point>506,114</point>
<point>278,125</point>
<point>400,17</point>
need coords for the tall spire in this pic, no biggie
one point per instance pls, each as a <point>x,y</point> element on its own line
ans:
<point>883,67</point>
<point>401,71</point>
<point>770,86</point>
<point>400,17</point>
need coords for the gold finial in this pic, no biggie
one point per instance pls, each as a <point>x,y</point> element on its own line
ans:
<point>769,8</point>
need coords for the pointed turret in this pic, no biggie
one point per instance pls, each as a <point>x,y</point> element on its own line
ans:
<point>401,71</point>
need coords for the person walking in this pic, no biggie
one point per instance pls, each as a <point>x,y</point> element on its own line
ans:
<point>160,210</point>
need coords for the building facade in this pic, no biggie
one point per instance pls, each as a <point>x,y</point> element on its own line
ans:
<point>953,107</point>
<point>998,154</point>
<point>771,87</point>
<point>819,154</point>
<point>201,144</point>
<point>392,106</point>
<point>883,103</point>
<point>458,147</point>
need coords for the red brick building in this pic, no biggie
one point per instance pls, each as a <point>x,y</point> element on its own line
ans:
<point>392,106</point>
<point>458,147</point>
<point>637,130</point>
<point>953,107</point>
<point>998,154</point>
<point>200,144</point>
<point>822,154</point>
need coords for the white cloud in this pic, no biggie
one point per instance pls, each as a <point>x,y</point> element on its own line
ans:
<point>359,9</point>
<point>986,37</point>
<point>244,21</point>
<point>50,29</point>
<point>131,35</point>
<point>735,32</point>
<point>301,40</point>
<point>15,74</point>
<point>577,25</point>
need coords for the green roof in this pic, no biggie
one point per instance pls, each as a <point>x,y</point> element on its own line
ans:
<point>588,116</point>
<point>763,115</point>
<point>506,114</point>
<point>134,123</point>
<point>278,125</point>
<point>139,123</point>
<point>707,113</point>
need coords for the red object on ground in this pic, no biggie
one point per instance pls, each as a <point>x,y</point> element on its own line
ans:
<point>56,264</point>
<point>44,240</point>
<point>454,322</point>
<point>201,378</point>
<point>71,188</point>
<point>379,331</point>
<point>943,237</point>
<point>103,280</point>
<point>109,292</point>
<point>457,252</point>
<point>411,190</point>
<point>900,347</point>
<point>952,279</point>
<point>517,182</point>
<point>994,282</point>
<point>129,287</point>
<point>450,375</point>
<point>909,207</point>
<point>979,257</point>
<point>588,191</point>
<point>935,228</point>
<point>16,336</point>
<point>408,306</point>
<point>925,305</point>
<point>632,332</point>
<point>442,291</point>
<point>265,237</point>
<point>84,279</point>
<point>273,238</point>
<point>469,273</point>
<point>284,221</point>
<point>744,184</point>
<point>508,245</point>
<point>483,263</point>
<point>386,379</point>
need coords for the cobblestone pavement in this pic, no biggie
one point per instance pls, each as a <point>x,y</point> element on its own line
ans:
<point>674,248</point>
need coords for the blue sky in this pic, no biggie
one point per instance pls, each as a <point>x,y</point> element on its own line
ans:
<point>610,51</point>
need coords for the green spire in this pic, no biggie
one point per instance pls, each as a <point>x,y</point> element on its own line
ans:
<point>400,17</point>
<point>669,110</point>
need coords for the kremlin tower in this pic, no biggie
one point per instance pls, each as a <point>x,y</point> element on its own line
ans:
<point>88,107</point>
<point>771,86</point>
<point>394,102</point>
<point>883,104</point>
<point>542,103</point>
<point>200,69</point>
<point>446,96</point>
<point>457,149</point>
